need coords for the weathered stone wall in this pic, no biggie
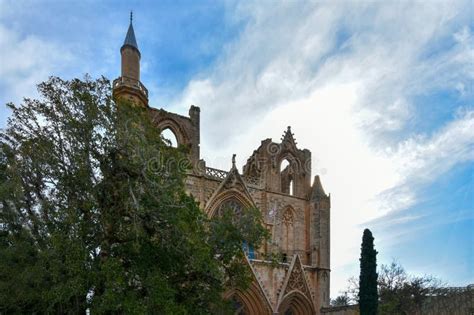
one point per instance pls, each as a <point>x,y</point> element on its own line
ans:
<point>201,188</point>
<point>130,63</point>
<point>273,206</point>
<point>341,310</point>
<point>450,301</point>
<point>298,221</point>
<point>185,129</point>
<point>271,278</point>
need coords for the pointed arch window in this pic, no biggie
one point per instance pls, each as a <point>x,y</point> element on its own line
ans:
<point>287,177</point>
<point>288,218</point>
<point>288,231</point>
<point>169,137</point>
<point>248,250</point>
<point>231,204</point>
<point>236,208</point>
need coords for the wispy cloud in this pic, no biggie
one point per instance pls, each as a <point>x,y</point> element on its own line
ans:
<point>420,160</point>
<point>26,61</point>
<point>289,50</point>
<point>346,76</point>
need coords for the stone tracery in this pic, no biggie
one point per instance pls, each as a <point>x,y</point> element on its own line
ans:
<point>287,232</point>
<point>232,205</point>
<point>287,217</point>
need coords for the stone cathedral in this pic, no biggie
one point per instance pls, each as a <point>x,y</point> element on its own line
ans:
<point>277,180</point>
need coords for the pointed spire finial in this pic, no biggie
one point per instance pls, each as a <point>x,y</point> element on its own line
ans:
<point>233,160</point>
<point>130,39</point>
<point>288,136</point>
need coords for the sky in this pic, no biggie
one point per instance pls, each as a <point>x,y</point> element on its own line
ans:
<point>380,92</point>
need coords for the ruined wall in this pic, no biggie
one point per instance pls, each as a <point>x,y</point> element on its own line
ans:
<point>298,220</point>
<point>185,129</point>
<point>341,310</point>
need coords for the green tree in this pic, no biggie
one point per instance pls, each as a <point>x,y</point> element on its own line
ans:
<point>368,296</point>
<point>401,293</point>
<point>94,215</point>
<point>341,300</point>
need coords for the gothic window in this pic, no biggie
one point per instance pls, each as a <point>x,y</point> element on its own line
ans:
<point>169,137</point>
<point>287,222</point>
<point>232,205</point>
<point>287,218</point>
<point>236,207</point>
<point>248,250</point>
<point>284,164</point>
<point>287,177</point>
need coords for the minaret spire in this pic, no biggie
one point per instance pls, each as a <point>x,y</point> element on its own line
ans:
<point>130,39</point>
<point>129,85</point>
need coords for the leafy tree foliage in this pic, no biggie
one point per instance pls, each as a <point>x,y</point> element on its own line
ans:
<point>341,300</point>
<point>94,216</point>
<point>368,296</point>
<point>228,233</point>
<point>401,293</point>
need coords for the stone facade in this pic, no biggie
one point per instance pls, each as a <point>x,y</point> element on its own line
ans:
<point>277,180</point>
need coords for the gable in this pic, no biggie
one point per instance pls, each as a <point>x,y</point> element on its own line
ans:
<point>295,280</point>
<point>232,187</point>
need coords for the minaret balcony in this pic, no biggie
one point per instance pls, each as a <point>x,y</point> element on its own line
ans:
<point>122,82</point>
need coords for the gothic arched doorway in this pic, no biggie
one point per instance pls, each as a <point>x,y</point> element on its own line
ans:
<point>295,303</point>
<point>248,302</point>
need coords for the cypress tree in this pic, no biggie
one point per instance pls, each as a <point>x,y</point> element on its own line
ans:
<point>368,296</point>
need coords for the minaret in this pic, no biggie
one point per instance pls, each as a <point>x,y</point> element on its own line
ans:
<point>128,85</point>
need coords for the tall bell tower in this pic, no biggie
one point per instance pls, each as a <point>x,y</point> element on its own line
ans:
<point>128,85</point>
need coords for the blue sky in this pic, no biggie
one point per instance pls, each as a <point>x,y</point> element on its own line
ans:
<point>381,93</point>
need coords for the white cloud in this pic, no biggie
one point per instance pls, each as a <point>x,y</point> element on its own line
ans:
<point>421,160</point>
<point>26,61</point>
<point>344,76</point>
<point>37,42</point>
